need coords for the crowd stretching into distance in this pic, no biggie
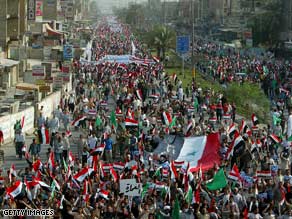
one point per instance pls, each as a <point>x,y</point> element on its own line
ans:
<point>125,111</point>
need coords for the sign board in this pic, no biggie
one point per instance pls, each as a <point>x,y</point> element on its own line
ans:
<point>58,81</point>
<point>49,80</point>
<point>39,10</point>
<point>130,187</point>
<point>45,88</point>
<point>40,82</point>
<point>47,52</point>
<point>31,10</point>
<point>68,52</point>
<point>66,77</point>
<point>69,13</point>
<point>65,69</point>
<point>38,70</point>
<point>182,44</point>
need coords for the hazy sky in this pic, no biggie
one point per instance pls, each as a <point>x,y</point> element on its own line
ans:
<point>107,5</point>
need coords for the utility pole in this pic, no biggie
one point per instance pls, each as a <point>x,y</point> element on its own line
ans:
<point>193,41</point>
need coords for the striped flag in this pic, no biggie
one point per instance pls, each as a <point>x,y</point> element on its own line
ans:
<point>114,174</point>
<point>234,174</point>
<point>81,175</point>
<point>235,146</point>
<point>104,194</point>
<point>139,94</point>
<point>231,130</point>
<point>173,171</point>
<point>275,138</point>
<point>255,120</point>
<point>103,103</point>
<point>264,173</point>
<point>174,78</point>
<point>77,121</point>
<point>51,162</point>
<point>167,118</point>
<point>189,129</point>
<point>131,122</point>
<point>15,189</point>
<point>27,190</point>
<point>12,172</point>
<point>119,166</point>
<point>22,121</point>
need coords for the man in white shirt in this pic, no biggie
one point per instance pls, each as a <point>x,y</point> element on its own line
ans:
<point>54,124</point>
<point>92,139</point>
<point>289,124</point>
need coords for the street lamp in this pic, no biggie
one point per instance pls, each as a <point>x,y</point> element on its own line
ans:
<point>192,25</point>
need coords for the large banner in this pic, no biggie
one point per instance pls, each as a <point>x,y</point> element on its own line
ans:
<point>39,10</point>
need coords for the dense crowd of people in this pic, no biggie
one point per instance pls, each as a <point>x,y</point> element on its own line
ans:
<point>125,110</point>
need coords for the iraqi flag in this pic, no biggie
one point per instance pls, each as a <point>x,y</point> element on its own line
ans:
<point>119,112</point>
<point>284,91</point>
<point>12,172</point>
<point>119,166</point>
<point>131,122</point>
<point>104,194</point>
<point>15,189</point>
<point>166,118</point>
<point>45,135</point>
<point>68,133</point>
<point>38,181</point>
<point>264,173</point>
<point>275,138</point>
<point>254,120</point>
<point>37,165</point>
<point>226,116</point>
<point>27,190</point>
<point>234,174</point>
<point>244,129</point>
<point>189,129</point>
<point>231,130</point>
<point>81,175</point>
<point>139,94</point>
<point>22,121</point>
<point>178,164</point>
<point>98,150</point>
<point>114,174</point>
<point>77,121</point>
<point>201,151</point>
<point>236,146</point>
<point>174,78</point>
<point>174,174</point>
<point>51,162</point>
<point>103,103</point>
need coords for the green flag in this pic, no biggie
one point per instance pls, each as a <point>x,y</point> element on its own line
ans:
<point>145,190</point>
<point>189,195</point>
<point>98,122</point>
<point>157,172</point>
<point>65,165</point>
<point>114,119</point>
<point>276,119</point>
<point>196,103</point>
<point>173,122</point>
<point>290,138</point>
<point>53,187</point>
<point>219,181</point>
<point>175,210</point>
<point>164,192</point>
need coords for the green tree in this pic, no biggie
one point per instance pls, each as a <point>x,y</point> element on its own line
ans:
<point>161,38</point>
<point>265,24</point>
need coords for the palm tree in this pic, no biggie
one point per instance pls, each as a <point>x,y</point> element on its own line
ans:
<point>162,38</point>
